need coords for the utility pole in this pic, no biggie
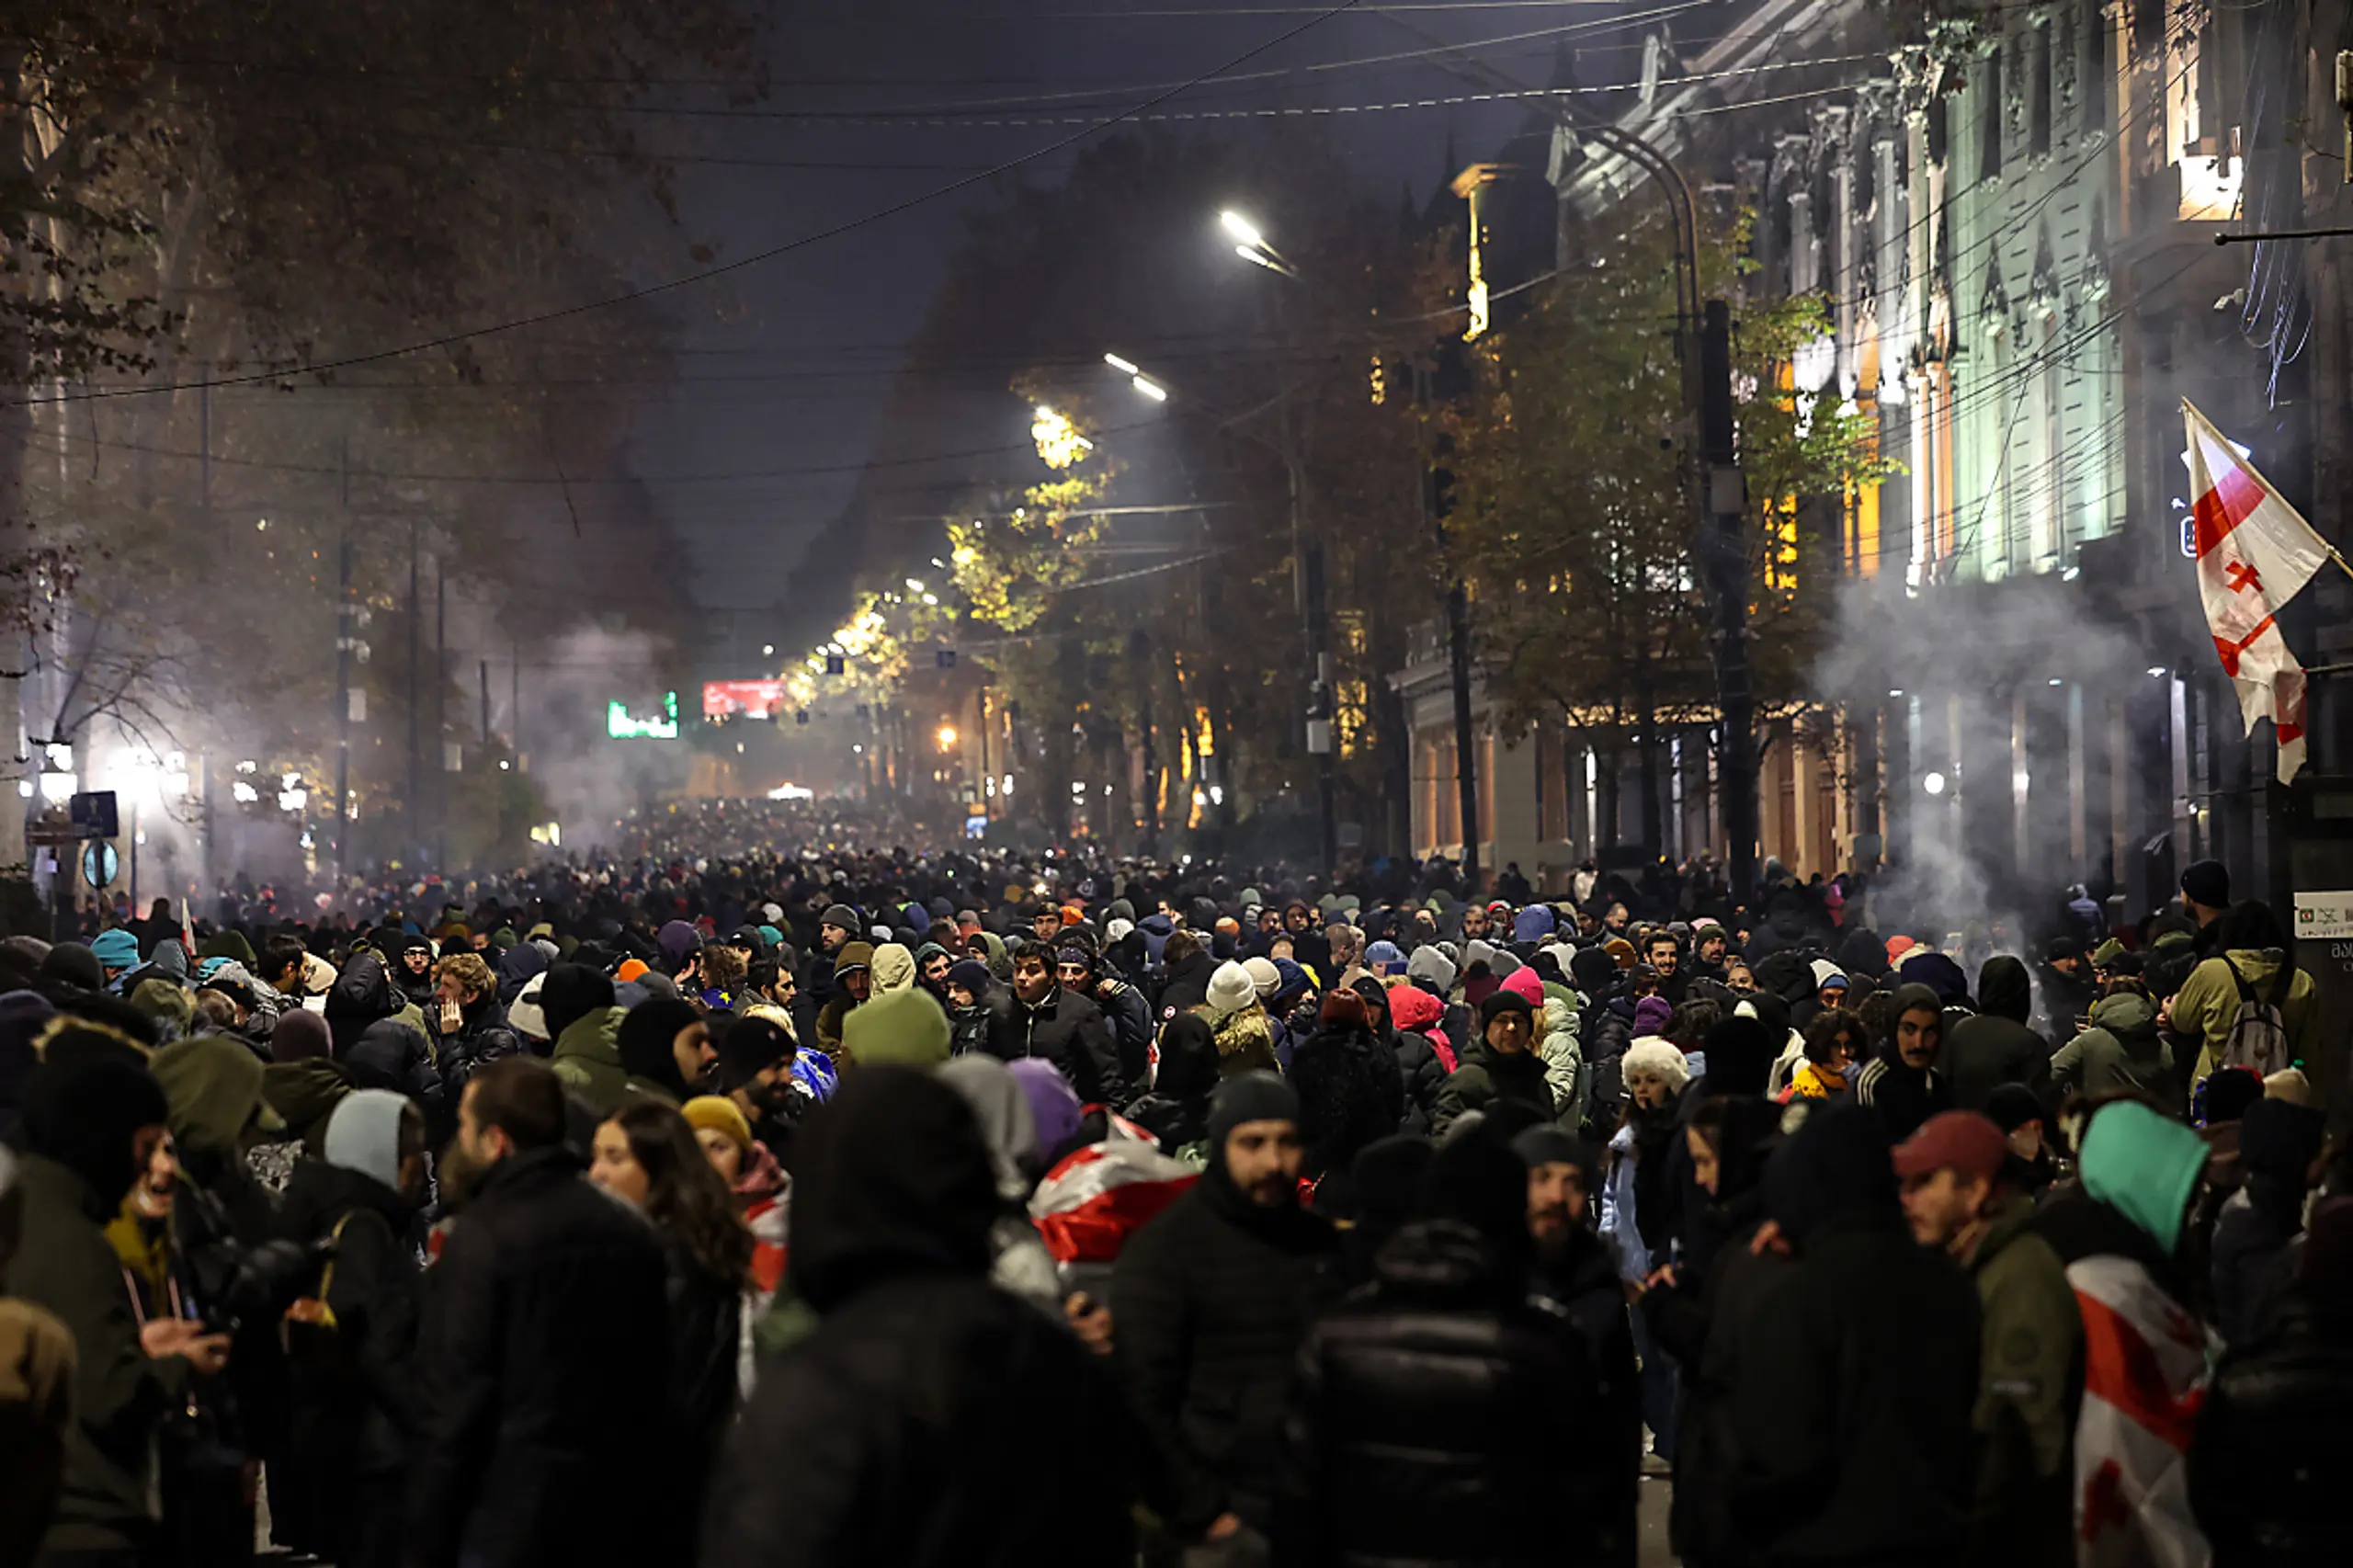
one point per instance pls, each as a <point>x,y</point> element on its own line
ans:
<point>343,629</point>
<point>1139,647</point>
<point>1437,506</point>
<point>485,705</point>
<point>1727,502</point>
<point>440,714</point>
<point>204,510</point>
<point>413,811</point>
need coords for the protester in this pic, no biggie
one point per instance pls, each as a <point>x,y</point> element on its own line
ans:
<point>524,1425</point>
<point>648,1157</point>
<point>908,1427</point>
<point>1211,1300</point>
<point>1904,1083</point>
<point>1501,1067</point>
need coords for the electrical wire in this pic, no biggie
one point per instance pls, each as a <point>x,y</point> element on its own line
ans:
<point>756,258</point>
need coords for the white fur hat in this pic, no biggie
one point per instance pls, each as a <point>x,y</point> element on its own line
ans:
<point>1657,1057</point>
<point>1231,989</point>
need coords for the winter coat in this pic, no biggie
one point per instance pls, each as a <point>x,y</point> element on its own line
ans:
<point>362,994</point>
<point>1349,1095</point>
<point>1853,1376</point>
<point>588,1058</point>
<point>304,1094</point>
<point>1483,1076</point>
<point>1068,1030</point>
<point>392,1055</point>
<point>1246,1041</point>
<point>1995,1047</point>
<point>64,1265</point>
<point>544,1287</point>
<point>2209,1000</point>
<point>1176,1108</point>
<point>336,1490</point>
<point>1212,1299</point>
<point>481,1038</point>
<point>1903,1096</point>
<point>2123,1053</point>
<point>2029,1391</point>
<point>2278,1144</point>
<point>909,1428</point>
<point>706,1341</point>
<point>1130,1018</point>
<point>1581,1280</point>
<point>1445,1414</point>
<point>2274,1442</point>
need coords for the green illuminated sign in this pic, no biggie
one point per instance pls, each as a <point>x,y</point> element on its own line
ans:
<point>623,726</point>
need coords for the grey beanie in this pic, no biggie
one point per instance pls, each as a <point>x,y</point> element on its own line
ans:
<point>841,915</point>
<point>1249,1097</point>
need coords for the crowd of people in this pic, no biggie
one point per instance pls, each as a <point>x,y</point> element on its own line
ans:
<point>720,1210</point>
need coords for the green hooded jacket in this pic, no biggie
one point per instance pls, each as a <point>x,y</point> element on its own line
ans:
<point>2122,1054</point>
<point>2028,1391</point>
<point>2145,1166</point>
<point>588,1058</point>
<point>304,1093</point>
<point>213,1084</point>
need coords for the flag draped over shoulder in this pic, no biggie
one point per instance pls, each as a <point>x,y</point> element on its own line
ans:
<point>2254,554</point>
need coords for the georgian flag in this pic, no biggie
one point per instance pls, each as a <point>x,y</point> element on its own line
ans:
<point>2254,554</point>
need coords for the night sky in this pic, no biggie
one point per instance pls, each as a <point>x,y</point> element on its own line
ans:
<point>784,364</point>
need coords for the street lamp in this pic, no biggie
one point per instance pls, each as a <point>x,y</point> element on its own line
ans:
<point>1250,243</point>
<point>946,737</point>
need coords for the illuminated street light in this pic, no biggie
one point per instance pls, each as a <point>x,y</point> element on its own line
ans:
<point>767,649</point>
<point>1125,366</point>
<point>946,737</point>
<point>1259,256</point>
<point>1242,229</point>
<point>1151,390</point>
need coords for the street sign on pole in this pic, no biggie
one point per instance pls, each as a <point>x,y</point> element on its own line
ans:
<point>99,864</point>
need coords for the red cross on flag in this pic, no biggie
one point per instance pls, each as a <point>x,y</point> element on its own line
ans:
<point>2254,554</point>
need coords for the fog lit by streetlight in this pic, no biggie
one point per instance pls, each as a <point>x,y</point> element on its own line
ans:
<point>1241,228</point>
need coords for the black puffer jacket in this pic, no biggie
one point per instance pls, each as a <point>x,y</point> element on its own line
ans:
<point>1212,1298</point>
<point>1446,1415</point>
<point>2275,1442</point>
<point>1349,1095</point>
<point>706,1339</point>
<point>481,1038</point>
<point>1176,1111</point>
<point>545,1288</point>
<point>390,1054</point>
<point>335,1492</point>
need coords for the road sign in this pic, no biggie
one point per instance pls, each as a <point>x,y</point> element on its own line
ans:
<point>94,813</point>
<point>99,864</point>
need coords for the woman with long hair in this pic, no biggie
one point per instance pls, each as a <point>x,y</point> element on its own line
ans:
<point>646,1155</point>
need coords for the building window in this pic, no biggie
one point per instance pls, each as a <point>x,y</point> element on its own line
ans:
<point>2045,90</point>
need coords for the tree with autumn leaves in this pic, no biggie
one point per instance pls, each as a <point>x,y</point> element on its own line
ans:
<point>1575,523</point>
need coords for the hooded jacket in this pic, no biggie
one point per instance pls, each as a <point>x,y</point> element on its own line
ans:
<point>304,1094</point>
<point>1995,1047</point>
<point>2123,1053</point>
<point>910,1421</point>
<point>588,1058</point>
<point>362,994</point>
<point>1176,1108</point>
<point>1837,1459</point>
<point>392,1055</point>
<point>1484,1075</point>
<point>1903,1096</point>
<point>2278,1144</point>
<point>1557,1026</point>
<point>2207,1003</point>
<point>1349,1091</point>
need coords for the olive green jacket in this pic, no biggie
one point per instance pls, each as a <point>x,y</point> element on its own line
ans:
<point>2029,1385</point>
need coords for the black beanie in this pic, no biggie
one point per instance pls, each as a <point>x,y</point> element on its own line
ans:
<point>1498,1002</point>
<point>646,1035</point>
<point>2206,882</point>
<point>1249,1097</point>
<point>970,974</point>
<point>570,993</point>
<point>84,1111</point>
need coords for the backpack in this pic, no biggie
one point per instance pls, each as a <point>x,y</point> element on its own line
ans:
<point>2258,1037</point>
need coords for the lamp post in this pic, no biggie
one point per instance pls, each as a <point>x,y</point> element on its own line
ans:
<point>1308,592</point>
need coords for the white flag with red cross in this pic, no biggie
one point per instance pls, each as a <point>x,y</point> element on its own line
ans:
<point>2254,554</point>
